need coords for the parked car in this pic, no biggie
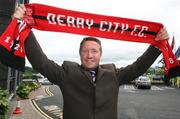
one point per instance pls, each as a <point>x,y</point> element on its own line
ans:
<point>44,81</point>
<point>158,77</point>
<point>143,82</point>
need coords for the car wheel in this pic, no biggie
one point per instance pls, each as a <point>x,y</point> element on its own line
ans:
<point>138,87</point>
<point>149,87</point>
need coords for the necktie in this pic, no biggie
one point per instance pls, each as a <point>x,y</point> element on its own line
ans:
<point>93,74</point>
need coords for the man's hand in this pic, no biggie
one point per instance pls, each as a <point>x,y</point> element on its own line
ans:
<point>19,11</point>
<point>162,35</point>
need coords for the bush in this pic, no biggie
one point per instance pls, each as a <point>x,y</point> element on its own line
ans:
<point>34,86</point>
<point>25,88</point>
<point>4,104</point>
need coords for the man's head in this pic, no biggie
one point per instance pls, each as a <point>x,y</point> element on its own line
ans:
<point>90,52</point>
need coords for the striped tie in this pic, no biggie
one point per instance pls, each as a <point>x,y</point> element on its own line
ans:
<point>93,74</point>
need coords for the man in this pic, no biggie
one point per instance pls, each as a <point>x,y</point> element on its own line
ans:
<point>88,95</point>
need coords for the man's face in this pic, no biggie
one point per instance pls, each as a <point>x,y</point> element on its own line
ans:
<point>90,54</point>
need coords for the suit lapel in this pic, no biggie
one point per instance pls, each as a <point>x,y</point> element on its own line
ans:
<point>98,76</point>
<point>100,73</point>
<point>88,75</point>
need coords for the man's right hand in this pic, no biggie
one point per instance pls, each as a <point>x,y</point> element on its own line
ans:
<point>19,11</point>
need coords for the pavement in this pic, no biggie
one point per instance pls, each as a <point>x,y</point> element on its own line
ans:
<point>29,107</point>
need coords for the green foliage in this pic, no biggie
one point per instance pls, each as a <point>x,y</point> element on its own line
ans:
<point>25,88</point>
<point>23,91</point>
<point>28,74</point>
<point>29,69</point>
<point>150,71</point>
<point>34,85</point>
<point>175,81</point>
<point>4,104</point>
<point>160,72</point>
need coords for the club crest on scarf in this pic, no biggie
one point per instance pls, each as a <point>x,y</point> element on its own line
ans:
<point>48,18</point>
<point>12,44</point>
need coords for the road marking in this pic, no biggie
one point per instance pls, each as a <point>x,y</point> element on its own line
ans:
<point>55,110</point>
<point>39,97</point>
<point>131,91</point>
<point>132,88</point>
<point>166,87</point>
<point>129,88</point>
<point>39,110</point>
<point>156,88</point>
<point>48,91</point>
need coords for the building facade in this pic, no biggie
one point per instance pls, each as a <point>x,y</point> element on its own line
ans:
<point>9,78</point>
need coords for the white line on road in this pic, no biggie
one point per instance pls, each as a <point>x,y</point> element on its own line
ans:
<point>132,88</point>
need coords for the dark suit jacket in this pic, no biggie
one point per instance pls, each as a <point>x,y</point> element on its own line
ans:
<point>7,8</point>
<point>82,98</point>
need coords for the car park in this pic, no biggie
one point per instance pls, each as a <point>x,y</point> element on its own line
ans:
<point>44,81</point>
<point>143,82</point>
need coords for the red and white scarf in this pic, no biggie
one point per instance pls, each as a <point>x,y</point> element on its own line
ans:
<point>49,18</point>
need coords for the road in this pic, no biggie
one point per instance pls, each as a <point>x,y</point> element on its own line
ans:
<point>161,102</point>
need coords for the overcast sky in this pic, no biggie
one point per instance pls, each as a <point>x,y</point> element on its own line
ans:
<point>65,46</point>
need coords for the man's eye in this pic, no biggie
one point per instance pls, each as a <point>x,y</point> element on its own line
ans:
<point>84,50</point>
<point>94,51</point>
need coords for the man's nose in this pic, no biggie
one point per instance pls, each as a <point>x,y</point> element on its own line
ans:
<point>89,55</point>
